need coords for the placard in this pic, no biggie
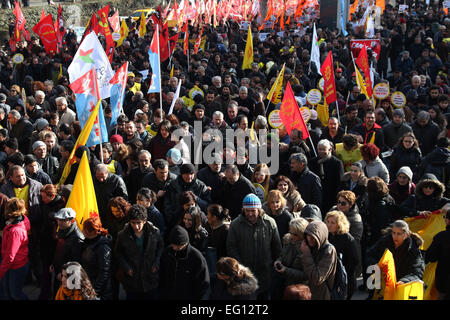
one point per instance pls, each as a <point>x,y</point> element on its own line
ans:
<point>116,36</point>
<point>18,58</point>
<point>381,91</point>
<point>314,97</point>
<point>274,119</point>
<point>321,83</point>
<point>306,113</point>
<point>260,192</point>
<point>398,99</point>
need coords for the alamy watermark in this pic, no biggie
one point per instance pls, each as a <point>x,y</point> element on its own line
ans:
<point>74,277</point>
<point>251,144</point>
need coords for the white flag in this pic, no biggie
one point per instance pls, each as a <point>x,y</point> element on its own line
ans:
<point>175,97</point>
<point>91,54</point>
<point>315,50</point>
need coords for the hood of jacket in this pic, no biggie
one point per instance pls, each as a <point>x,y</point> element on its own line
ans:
<point>246,285</point>
<point>440,156</point>
<point>438,188</point>
<point>318,231</point>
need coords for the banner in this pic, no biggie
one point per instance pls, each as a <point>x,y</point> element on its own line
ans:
<point>46,32</point>
<point>329,87</point>
<point>374,44</point>
<point>153,55</point>
<point>248,55</point>
<point>91,54</point>
<point>290,113</point>
<point>119,83</point>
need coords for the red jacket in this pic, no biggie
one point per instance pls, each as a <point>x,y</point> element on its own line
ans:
<point>15,246</point>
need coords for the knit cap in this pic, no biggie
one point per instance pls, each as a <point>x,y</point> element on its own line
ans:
<point>174,154</point>
<point>178,236</point>
<point>38,144</point>
<point>406,171</point>
<point>187,168</point>
<point>399,112</point>
<point>251,201</point>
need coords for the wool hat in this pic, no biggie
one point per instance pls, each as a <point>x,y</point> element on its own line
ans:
<point>174,154</point>
<point>251,201</point>
<point>406,171</point>
<point>40,124</point>
<point>116,138</point>
<point>38,144</point>
<point>178,236</point>
<point>311,212</point>
<point>187,168</point>
<point>65,213</point>
<point>399,112</point>
<point>12,143</point>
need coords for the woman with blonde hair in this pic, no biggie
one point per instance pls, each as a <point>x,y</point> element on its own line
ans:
<point>275,207</point>
<point>261,175</point>
<point>235,281</point>
<point>346,246</point>
<point>15,262</point>
<point>75,284</point>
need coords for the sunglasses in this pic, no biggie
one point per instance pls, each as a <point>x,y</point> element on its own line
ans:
<point>342,203</point>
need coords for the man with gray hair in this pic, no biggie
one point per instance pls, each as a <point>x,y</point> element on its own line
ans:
<point>39,96</point>
<point>107,185</point>
<point>330,170</point>
<point>180,110</point>
<point>307,182</point>
<point>21,129</point>
<point>66,115</point>
<point>246,104</point>
<point>3,104</point>
<point>426,132</point>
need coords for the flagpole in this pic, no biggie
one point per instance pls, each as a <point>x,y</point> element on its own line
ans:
<point>160,79</point>
<point>312,144</point>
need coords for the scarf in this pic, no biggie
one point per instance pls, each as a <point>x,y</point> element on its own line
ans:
<point>67,294</point>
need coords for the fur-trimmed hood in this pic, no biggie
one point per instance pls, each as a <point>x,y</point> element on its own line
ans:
<point>415,238</point>
<point>246,285</point>
<point>438,189</point>
<point>362,180</point>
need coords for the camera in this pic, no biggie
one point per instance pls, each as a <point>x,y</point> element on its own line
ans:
<point>278,266</point>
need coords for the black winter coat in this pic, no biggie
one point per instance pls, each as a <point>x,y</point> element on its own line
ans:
<point>96,260</point>
<point>141,263</point>
<point>68,247</point>
<point>48,228</point>
<point>426,135</point>
<point>22,131</point>
<point>409,263</point>
<point>112,187</point>
<point>405,157</point>
<point>309,186</point>
<point>439,251</point>
<point>346,245</point>
<point>184,275</point>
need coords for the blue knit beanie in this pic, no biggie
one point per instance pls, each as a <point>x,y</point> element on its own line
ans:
<point>251,201</point>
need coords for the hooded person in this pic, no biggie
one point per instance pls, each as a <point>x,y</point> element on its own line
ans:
<point>184,272</point>
<point>402,187</point>
<point>319,260</point>
<point>254,241</point>
<point>428,197</point>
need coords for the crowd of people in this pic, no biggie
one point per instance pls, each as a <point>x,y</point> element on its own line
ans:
<point>172,228</point>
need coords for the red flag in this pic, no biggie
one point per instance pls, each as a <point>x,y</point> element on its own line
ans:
<point>290,113</point>
<point>186,38</point>
<point>46,31</point>
<point>163,43</point>
<point>106,31</point>
<point>92,26</point>
<point>329,86</point>
<point>173,42</point>
<point>42,14</point>
<point>363,62</point>
<point>20,18</point>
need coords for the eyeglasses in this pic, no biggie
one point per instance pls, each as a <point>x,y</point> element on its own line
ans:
<point>342,203</point>
<point>408,141</point>
<point>428,187</point>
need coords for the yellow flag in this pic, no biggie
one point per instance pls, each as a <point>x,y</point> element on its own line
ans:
<point>60,71</point>
<point>276,92</point>
<point>323,113</point>
<point>81,141</point>
<point>123,33</point>
<point>389,278</point>
<point>361,83</point>
<point>142,26</point>
<point>82,199</point>
<point>248,55</point>
<point>429,278</point>
<point>427,228</point>
<point>171,71</point>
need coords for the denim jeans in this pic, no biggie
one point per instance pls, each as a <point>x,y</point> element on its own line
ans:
<point>11,285</point>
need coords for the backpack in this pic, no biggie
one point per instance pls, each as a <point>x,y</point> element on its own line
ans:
<point>339,290</point>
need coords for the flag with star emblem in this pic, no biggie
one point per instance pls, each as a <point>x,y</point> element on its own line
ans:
<point>90,55</point>
<point>86,93</point>
<point>290,113</point>
<point>119,83</point>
